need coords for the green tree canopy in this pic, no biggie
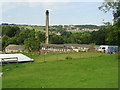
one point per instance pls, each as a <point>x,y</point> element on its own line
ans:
<point>10,30</point>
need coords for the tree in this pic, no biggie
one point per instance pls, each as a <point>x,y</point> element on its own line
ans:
<point>114,6</point>
<point>10,30</point>
<point>112,36</point>
<point>22,36</point>
<point>99,37</point>
<point>54,39</point>
<point>114,30</point>
<point>86,38</point>
<point>41,37</point>
<point>32,44</point>
<point>4,41</point>
<point>12,40</point>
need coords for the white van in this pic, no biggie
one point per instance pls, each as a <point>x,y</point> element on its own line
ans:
<point>108,49</point>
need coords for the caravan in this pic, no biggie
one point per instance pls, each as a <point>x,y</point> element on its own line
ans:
<point>108,49</point>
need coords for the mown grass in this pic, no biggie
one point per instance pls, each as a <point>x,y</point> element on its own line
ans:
<point>97,71</point>
<point>62,56</point>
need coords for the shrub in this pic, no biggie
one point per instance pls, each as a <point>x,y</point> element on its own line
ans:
<point>68,58</point>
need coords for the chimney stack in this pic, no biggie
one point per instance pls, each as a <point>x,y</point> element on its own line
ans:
<point>47,27</point>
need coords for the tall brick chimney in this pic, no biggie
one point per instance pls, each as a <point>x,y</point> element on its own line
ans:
<point>47,27</point>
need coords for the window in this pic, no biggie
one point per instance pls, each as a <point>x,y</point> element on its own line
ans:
<point>103,47</point>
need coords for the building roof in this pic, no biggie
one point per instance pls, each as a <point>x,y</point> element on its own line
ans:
<point>21,57</point>
<point>15,47</point>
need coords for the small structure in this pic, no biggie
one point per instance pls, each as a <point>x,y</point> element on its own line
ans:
<point>14,48</point>
<point>108,49</point>
<point>12,58</point>
<point>96,47</point>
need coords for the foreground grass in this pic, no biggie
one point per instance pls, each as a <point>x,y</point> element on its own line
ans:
<point>100,71</point>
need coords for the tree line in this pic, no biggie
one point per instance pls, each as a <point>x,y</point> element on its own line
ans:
<point>32,40</point>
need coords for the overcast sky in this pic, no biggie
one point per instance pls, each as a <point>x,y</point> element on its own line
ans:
<point>60,13</point>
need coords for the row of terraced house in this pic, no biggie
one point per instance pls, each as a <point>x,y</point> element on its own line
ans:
<point>51,48</point>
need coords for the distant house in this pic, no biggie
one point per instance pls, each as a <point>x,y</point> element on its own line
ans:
<point>14,48</point>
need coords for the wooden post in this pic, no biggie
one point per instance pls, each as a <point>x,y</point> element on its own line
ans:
<point>44,56</point>
<point>17,59</point>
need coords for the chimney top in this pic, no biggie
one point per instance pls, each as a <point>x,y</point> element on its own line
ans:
<point>47,12</point>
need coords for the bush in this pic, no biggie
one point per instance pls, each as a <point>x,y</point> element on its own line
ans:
<point>68,58</point>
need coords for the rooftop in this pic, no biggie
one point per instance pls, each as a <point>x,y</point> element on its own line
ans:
<point>15,47</point>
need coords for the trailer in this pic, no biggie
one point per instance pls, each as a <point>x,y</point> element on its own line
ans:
<point>108,49</point>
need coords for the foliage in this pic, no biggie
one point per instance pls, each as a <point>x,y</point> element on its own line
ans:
<point>68,58</point>
<point>22,36</point>
<point>10,30</point>
<point>41,37</point>
<point>112,37</point>
<point>4,41</point>
<point>114,30</point>
<point>54,39</point>
<point>99,36</point>
<point>29,38</point>
<point>87,26</point>
<point>114,6</point>
<point>32,44</point>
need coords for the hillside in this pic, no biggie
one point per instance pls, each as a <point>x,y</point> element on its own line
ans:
<point>58,28</point>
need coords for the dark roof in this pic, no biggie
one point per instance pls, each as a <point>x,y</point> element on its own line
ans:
<point>65,45</point>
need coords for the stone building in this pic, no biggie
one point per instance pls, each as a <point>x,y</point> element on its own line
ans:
<point>14,48</point>
<point>60,48</point>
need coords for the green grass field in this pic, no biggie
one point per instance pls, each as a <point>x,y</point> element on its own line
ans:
<point>85,70</point>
